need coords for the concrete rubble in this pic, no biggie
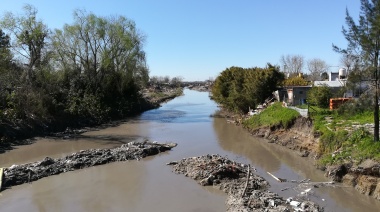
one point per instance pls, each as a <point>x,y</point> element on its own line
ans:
<point>26,173</point>
<point>246,191</point>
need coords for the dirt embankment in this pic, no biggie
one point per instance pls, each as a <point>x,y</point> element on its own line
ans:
<point>365,177</point>
<point>22,132</point>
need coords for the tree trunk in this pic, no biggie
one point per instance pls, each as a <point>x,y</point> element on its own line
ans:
<point>376,109</point>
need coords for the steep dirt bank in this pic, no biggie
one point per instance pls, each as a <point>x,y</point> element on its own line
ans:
<point>365,177</point>
<point>22,132</point>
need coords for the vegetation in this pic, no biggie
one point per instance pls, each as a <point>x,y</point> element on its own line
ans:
<point>295,81</point>
<point>343,136</point>
<point>92,70</point>
<point>239,89</point>
<point>364,45</point>
<point>345,139</point>
<point>274,115</point>
<point>319,96</point>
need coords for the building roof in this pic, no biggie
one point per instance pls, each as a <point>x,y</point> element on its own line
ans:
<point>335,84</point>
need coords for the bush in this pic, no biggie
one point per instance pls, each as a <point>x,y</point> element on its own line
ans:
<point>319,96</point>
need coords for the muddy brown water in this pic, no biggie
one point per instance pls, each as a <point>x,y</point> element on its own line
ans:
<point>150,185</point>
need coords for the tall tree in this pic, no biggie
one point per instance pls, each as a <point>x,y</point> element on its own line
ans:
<point>293,64</point>
<point>103,60</point>
<point>364,38</point>
<point>99,46</point>
<point>5,54</point>
<point>316,67</point>
<point>29,36</point>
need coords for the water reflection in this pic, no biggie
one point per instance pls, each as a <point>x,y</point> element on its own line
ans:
<point>150,185</point>
<point>238,141</point>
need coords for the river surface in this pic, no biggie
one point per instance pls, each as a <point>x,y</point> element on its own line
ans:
<point>149,184</point>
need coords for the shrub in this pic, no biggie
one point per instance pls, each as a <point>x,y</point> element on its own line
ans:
<point>319,96</point>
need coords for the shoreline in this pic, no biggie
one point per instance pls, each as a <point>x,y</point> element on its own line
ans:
<point>299,137</point>
<point>245,190</point>
<point>24,133</point>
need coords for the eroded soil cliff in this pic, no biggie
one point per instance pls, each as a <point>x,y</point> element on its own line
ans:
<point>365,177</point>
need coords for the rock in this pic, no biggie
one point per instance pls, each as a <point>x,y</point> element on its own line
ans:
<point>19,174</point>
<point>336,172</point>
<point>246,191</point>
<point>366,184</point>
<point>376,192</point>
<point>349,179</point>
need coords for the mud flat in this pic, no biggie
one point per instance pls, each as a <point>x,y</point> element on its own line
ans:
<point>246,191</point>
<point>26,173</point>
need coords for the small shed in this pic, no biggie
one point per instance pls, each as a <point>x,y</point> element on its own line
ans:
<point>297,94</point>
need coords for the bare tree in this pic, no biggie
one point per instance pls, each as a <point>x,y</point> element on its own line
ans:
<point>292,64</point>
<point>316,67</point>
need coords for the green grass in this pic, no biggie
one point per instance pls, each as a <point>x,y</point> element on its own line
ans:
<point>274,115</point>
<point>339,141</point>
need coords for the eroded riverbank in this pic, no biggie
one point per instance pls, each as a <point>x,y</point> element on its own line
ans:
<point>149,184</point>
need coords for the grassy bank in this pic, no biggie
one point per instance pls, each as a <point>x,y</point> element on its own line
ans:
<point>345,139</point>
<point>341,138</point>
<point>274,115</point>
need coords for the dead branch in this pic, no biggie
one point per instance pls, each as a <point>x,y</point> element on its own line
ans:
<point>246,183</point>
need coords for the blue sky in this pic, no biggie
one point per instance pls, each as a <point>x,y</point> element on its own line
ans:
<point>198,39</point>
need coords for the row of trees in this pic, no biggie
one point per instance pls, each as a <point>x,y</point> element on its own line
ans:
<point>93,68</point>
<point>240,88</point>
<point>293,65</point>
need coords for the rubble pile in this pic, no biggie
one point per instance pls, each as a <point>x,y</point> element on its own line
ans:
<point>26,173</point>
<point>246,191</point>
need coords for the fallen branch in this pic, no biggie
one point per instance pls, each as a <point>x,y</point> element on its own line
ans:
<point>276,178</point>
<point>246,183</point>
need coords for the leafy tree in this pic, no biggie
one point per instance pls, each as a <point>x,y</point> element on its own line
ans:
<point>29,37</point>
<point>5,54</point>
<point>319,96</point>
<point>103,62</point>
<point>5,61</point>
<point>364,39</point>
<point>238,88</point>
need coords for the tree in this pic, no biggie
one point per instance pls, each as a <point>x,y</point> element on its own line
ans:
<point>5,54</point>
<point>176,81</point>
<point>319,96</point>
<point>239,88</point>
<point>364,39</point>
<point>292,64</point>
<point>5,61</point>
<point>103,61</point>
<point>316,67</point>
<point>29,36</point>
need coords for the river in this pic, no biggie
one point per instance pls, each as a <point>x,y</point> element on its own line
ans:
<point>149,184</point>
